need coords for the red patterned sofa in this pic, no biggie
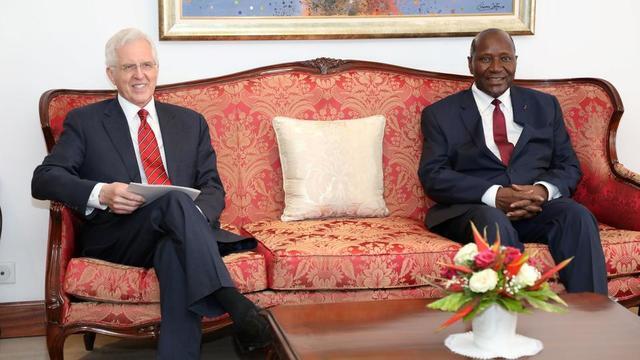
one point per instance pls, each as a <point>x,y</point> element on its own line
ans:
<point>337,259</point>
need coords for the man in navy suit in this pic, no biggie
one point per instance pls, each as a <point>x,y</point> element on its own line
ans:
<point>500,154</point>
<point>133,138</point>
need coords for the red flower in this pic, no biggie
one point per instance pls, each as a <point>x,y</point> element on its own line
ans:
<point>447,273</point>
<point>455,287</point>
<point>510,254</point>
<point>485,258</point>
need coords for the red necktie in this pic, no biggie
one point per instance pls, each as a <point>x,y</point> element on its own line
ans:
<point>149,152</point>
<point>500,133</point>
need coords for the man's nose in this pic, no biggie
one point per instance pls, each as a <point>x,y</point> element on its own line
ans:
<point>495,65</point>
<point>138,73</point>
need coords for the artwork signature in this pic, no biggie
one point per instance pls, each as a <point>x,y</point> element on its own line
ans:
<point>493,6</point>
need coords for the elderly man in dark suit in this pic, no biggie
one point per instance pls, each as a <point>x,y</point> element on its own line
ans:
<point>500,154</point>
<point>133,138</point>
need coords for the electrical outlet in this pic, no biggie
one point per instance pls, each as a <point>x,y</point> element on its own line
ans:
<point>7,273</point>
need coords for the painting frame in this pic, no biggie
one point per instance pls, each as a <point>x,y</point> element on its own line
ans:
<point>173,26</point>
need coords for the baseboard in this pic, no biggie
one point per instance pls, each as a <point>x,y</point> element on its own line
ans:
<point>18,319</point>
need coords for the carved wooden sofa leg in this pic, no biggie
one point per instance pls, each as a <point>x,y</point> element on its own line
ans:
<point>55,342</point>
<point>89,340</point>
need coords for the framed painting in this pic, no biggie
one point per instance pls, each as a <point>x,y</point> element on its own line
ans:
<point>339,19</point>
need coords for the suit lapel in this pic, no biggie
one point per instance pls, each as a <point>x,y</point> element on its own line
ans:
<point>170,129</point>
<point>473,123</point>
<point>115,124</point>
<point>521,117</point>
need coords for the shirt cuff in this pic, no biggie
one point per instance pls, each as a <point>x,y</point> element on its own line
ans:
<point>489,196</point>
<point>553,191</point>
<point>94,200</point>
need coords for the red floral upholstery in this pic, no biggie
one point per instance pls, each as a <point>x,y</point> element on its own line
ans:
<point>624,288</point>
<point>383,253</point>
<point>270,297</point>
<point>125,315</point>
<point>339,259</point>
<point>621,251</point>
<point>111,314</point>
<point>239,114</point>
<point>588,111</point>
<point>372,253</point>
<point>119,316</point>
<point>94,279</point>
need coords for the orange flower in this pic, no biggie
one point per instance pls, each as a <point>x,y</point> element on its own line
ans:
<point>549,273</point>
<point>460,268</point>
<point>479,239</point>
<point>464,311</point>
<point>514,267</point>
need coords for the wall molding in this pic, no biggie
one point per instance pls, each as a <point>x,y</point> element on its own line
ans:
<point>25,318</point>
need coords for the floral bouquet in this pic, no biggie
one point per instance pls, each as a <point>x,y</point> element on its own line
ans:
<point>484,274</point>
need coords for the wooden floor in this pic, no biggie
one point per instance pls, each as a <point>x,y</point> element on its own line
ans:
<point>215,346</point>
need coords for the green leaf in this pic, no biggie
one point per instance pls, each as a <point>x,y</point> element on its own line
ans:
<point>512,305</point>
<point>557,298</point>
<point>452,302</point>
<point>543,305</point>
<point>545,290</point>
<point>485,303</point>
<point>543,294</point>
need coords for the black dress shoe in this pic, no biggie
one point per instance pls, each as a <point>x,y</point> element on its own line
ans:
<point>252,333</point>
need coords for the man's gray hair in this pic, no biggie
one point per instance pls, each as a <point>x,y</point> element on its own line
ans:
<point>122,38</point>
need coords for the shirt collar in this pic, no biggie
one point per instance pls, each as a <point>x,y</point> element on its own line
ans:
<point>131,110</point>
<point>483,100</point>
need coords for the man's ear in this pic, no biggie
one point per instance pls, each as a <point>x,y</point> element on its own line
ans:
<point>110,75</point>
<point>469,62</point>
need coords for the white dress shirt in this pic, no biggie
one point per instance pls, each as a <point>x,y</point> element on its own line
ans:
<point>514,130</point>
<point>133,120</point>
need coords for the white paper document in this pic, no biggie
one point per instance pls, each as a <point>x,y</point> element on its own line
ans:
<point>152,192</point>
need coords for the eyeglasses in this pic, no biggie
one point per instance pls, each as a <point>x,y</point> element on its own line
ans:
<point>131,68</point>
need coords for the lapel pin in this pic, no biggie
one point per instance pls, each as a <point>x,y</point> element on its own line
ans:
<point>524,107</point>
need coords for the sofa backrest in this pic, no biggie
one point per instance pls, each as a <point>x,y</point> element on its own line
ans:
<point>239,109</point>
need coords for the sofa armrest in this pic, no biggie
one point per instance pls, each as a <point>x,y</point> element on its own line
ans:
<point>63,227</point>
<point>626,175</point>
<point>615,201</point>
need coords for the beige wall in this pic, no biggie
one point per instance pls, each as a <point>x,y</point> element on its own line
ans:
<point>59,44</point>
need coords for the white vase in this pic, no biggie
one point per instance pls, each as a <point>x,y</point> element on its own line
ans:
<point>493,335</point>
<point>494,329</point>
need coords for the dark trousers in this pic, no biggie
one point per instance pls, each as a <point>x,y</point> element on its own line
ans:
<point>568,228</point>
<point>171,235</point>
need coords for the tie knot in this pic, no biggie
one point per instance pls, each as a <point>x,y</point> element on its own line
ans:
<point>142,113</point>
<point>495,102</point>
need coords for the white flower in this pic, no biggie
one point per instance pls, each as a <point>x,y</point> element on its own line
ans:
<point>483,281</point>
<point>466,253</point>
<point>527,276</point>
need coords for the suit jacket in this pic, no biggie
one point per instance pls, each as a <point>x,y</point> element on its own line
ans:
<point>96,146</point>
<point>457,168</point>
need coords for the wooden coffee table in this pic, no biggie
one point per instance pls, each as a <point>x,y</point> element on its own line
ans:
<point>593,328</point>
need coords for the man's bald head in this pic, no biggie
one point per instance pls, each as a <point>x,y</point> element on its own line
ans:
<point>486,32</point>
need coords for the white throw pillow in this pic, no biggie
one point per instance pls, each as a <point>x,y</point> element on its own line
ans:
<point>331,168</point>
